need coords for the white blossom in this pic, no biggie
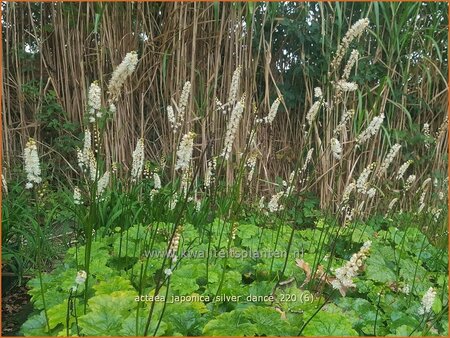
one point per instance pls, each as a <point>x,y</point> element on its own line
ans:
<point>362,182</point>
<point>81,277</point>
<point>232,127</point>
<point>77,195</point>
<point>318,93</point>
<point>31,162</point>
<point>273,205</point>
<point>182,103</point>
<point>312,113</point>
<point>427,133</point>
<point>138,160</point>
<point>409,182</point>
<point>354,32</point>
<point>307,159</point>
<point>92,165</point>
<point>209,173</point>
<point>388,160</point>
<point>157,181</point>
<point>406,289</point>
<point>336,149</point>
<point>185,149</point>
<point>121,73</point>
<point>425,183</point>
<point>94,101</point>
<point>371,192</point>
<point>4,184</point>
<point>346,116</point>
<point>354,55</point>
<point>436,213</point>
<point>112,108</point>
<point>427,301</point>
<point>422,200</point>
<point>234,87</point>
<point>401,171</point>
<point>198,205</point>
<point>345,86</point>
<point>102,183</point>
<point>251,164</point>
<point>273,111</point>
<point>346,195</point>
<point>261,203</point>
<point>345,274</point>
<point>371,130</point>
<point>392,203</point>
<point>171,118</point>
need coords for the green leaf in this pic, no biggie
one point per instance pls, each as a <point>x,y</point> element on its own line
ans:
<point>107,313</point>
<point>186,319</point>
<point>364,314</point>
<point>268,321</point>
<point>437,305</point>
<point>116,283</point>
<point>129,325</point>
<point>35,326</point>
<point>57,315</point>
<point>101,323</point>
<point>377,269</point>
<point>402,331</point>
<point>231,323</point>
<point>329,324</point>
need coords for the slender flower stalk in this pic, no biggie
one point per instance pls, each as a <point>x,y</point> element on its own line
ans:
<point>31,162</point>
